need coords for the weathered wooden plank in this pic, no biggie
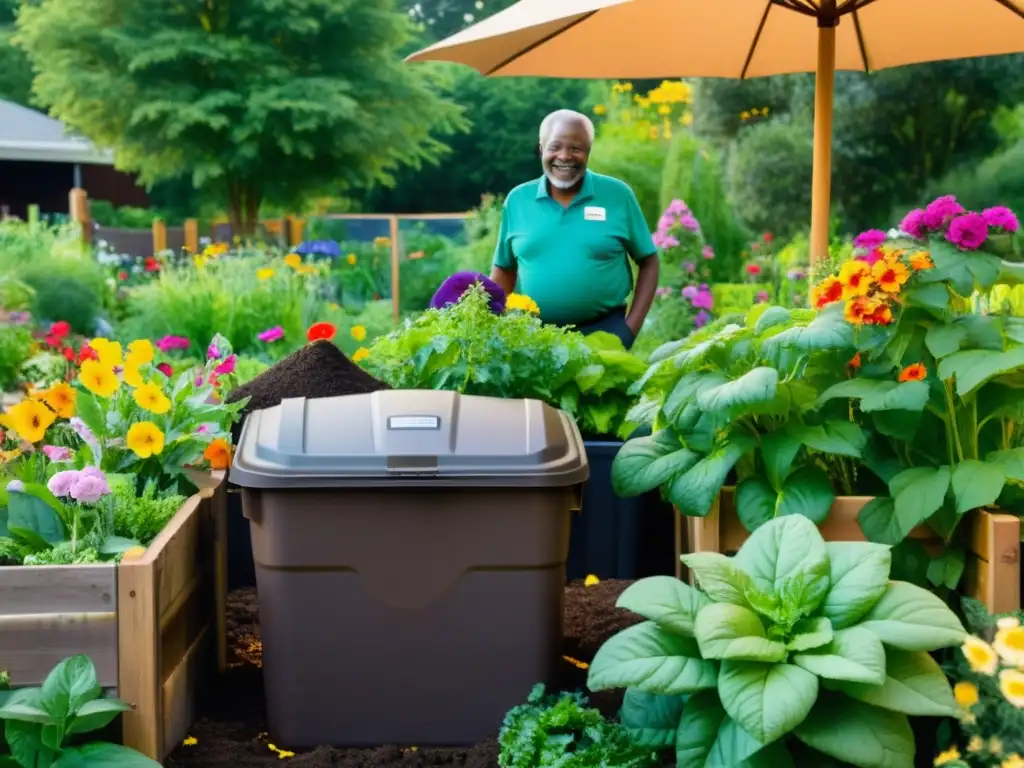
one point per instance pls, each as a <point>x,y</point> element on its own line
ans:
<point>31,645</point>
<point>993,568</point>
<point>181,690</point>
<point>33,589</point>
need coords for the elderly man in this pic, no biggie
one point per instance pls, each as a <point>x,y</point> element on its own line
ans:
<point>567,238</point>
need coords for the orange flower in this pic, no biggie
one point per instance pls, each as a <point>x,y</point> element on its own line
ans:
<point>828,291</point>
<point>882,315</point>
<point>860,309</point>
<point>61,398</point>
<point>218,453</point>
<point>890,274</point>
<point>854,363</point>
<point>915,372</point>
<point>323,330</point>
<point>921,260</point>
<point>856,279</point>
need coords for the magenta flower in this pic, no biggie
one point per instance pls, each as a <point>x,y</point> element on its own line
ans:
<point>703,299</point>
<point>271,334</point>
<point>228,366</point>
<point>701,319</point>
<point>689,292</point>
<point>870,239</point>
<point>663,241</point>
<point>940,211</point>
<point>762,297</point>
<point>212,353</point>
<point>168,343</point>
<point>663,291</point>
<point>165,369</point>
<point>666,222</point>
<point>57,453</point>
<point>1002,218</point>
<point>913,223</point>
<point>871,258</point>
<point>968,232</point>
<point>677,208</point>
<point>708,252</point>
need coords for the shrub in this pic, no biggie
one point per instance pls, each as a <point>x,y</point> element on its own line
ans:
<point>15,349</point>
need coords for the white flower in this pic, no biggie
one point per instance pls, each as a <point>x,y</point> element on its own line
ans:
<point>1007,622</point>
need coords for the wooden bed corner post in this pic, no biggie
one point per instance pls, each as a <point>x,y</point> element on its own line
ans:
<point>138,633</point>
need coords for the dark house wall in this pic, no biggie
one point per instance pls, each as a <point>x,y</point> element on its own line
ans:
<point>102,182</point>
<point>48,185</point>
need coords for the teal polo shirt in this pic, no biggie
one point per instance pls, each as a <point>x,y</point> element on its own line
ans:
<point>574,261</point>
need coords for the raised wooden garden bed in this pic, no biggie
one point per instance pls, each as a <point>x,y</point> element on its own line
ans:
<point>992,572</point>
<point>154,625</point>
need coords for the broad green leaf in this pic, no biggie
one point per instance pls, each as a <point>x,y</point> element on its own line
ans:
<point>913,619</point>
<point>647,657</point>
<point>23,739</point>
<point>1011,461</point>
<point>858,734</point>
<point>682,396</point>
<point>946,569</point>
<point>755,386</point>
<point>68,687</point>
<point>877,519</point>
<point>914,685</point>
<point>943,339</point>
<point>778,451</point>
<point>732,746</point>
<point>918,494</point>
<point>977,484</point>
<point>96,714</point>
<point>26,712</point>
<point>859,576</point>
<point>719,577</point>
<point>931,296</point>
<point>33,514</point>
<point>766,700</point>
<point>770,318</point>
<point>644,463</point>
<point>844,438</point>
<point>826,331</point>
<point>967,271</point>
<point>811,633</point>
<point>693,491</point>
<point>880,395</point>
<point>697,729</point>
<point>973,367</point>
<point>726,631</point>
<point>784,550</point>
<point>755,502</point>
<point>665,600</point>
<point>854,654</point>
<point>650,719</point>
<point>107,755</point>
<point>806,492</point>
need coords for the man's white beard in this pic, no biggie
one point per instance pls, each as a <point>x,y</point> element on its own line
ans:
<point>563,184</point>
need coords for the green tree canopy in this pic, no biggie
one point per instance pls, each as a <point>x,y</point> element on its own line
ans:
<point>15,69</point>
<point>259,100</point>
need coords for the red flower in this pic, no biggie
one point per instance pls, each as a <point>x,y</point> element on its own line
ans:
<point>60,329</point>
<point>53,341</point>
<point>151,264</point>
<point>753,269</point>
<point>768,237</point>
<point>87,353</point>
<point>321,330</point>
<point>69,354</point>
<point>122,275</point>
<point>165,369</point>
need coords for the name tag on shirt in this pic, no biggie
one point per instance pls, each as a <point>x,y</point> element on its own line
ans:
<point>594,213</point>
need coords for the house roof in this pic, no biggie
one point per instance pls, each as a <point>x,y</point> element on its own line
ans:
<point>26,134</point>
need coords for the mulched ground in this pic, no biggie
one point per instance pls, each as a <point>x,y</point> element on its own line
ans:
<point>232,732</point>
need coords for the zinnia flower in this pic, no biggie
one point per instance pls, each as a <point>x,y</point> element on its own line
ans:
<point>940,211</point>
<point>360,354</point>
<point>145,439</point>
<point>226,366</point>
<point>913,223</point>
<point>968,232</point>
<point>890,275</point>
<point>218,453</point>
<point>980,655</point>
<point>856,279</point>
<point>1009,644</point>
<point>168,343</point>
<point>151,398</point>
<point>29,419</point>
<point>1011,684</point>
<point>321,331</point>
<point>999,217</point>
<point>870,239</point>
<point>966,694</point>
<point>98,378</point>
<point>109,352</point>
<point>271,334</point>
<point>828,291</point>
<point>165,369</point>
<point>454,287</point>
<point>921,260</point>
<point>61,398</point>
<point>753,269</point>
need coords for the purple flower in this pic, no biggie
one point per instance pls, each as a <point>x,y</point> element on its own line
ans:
<point>168,343</point>
<point>57,453</point>
<point>689,292</point>
<point>968,231</point>
<point>1002,218</point>
<point>228,366</point>
<point>703,299</point>
<point>708,252</point>
<point>870,239</point>
<point>271,334</point>
<point>689,222</point>
<point>453,288</point>
<point>663,241</point>
<point>701,319</point>
<point>677,207</point>
<point>60,484</point>
<point>913,223</point>
<point>940,211</point>
<point>89,488</point>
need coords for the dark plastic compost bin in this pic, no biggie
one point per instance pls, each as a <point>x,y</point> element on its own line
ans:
<point>410,552</point>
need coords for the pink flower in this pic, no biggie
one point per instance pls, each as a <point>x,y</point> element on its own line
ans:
<point>57,453</point>
<point>165,369</point>
<point>753,269</point>
<point>271,334</point>
<point>212,353</point>
<point>871,257</point>
<point>708,252</point>
<point>940,211</point>
<point>677,208</point>
<point>228,366</point>
<point>663,241</point>
<point>90,486</point>
<point>968,231</point>
<point>690,266</point>
<point>168,343</point>
<point>689,222</point>
<point>666,222</point>
<point>870,239</point>
<point>202,429</point>
<point>60,484</point>
<point>913,223</point>
<point>762,297</point>
<point>1002,218</point>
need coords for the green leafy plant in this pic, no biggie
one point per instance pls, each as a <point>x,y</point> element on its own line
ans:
<point>793,647</point>
<point>560,731</point>
<point>40,722</point>
<point>603,383</point>
<point>15,349</point>
<point>141,517</point>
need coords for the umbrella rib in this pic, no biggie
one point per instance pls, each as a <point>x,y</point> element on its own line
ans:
<point>806,7</point>
<point>757,38</point>
<point>860,42</point>
<point>537,43</point>
<point>1011,7</point>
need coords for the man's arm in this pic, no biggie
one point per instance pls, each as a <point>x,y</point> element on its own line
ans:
<point>646,285</point>
<point>506,278</point>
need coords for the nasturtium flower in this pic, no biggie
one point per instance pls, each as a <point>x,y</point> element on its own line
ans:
<point>360,354</point>
<point>856,279</point>
<point>322,330</point>
<point>828,291</point>
<point>966,694</point>
<point>141,351</point>
<point>218,453</point>
<point>264,274</point>
<point>29,419</point>
<point>882,315</point>
<point>1011,684</point>
<point>914,372</point>
<point>61,399</point>
<point>921,260</point>
<point>98,378</point>
<point>145,439</point>
<point>108,352</point>
<point>859,309</point>
<point>151,398</point>
<point>980,655</point>
<point>1009,644</point>
<point>358,332</point>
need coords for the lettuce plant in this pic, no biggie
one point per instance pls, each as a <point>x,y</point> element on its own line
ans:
<point>793,644</point>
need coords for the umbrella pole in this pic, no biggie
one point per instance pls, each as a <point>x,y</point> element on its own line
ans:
<point>821,179</point>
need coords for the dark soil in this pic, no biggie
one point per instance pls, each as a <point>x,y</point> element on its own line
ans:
<point>318,369</point>
<point>231,734</point>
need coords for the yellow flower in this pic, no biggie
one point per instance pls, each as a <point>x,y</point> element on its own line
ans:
<point>980,655</point>
<point>282,754</point>
<point>108,352</point>
<point>744,115</point>
<point>856,279</point>
<point>1013,761</point>
<point>664,109</point>
<point>600,109</point>
<point>293,260</point>
<point>1011,683</point>
<point>686,118</point>
<point>145,439</point>
<point>976,744</point>
<point>966,694</point>
<point>334,307</point>
<point>591,580</point>
<point>949,756</point>
<point>151,398</point>
<point>61,398</point>
<point>1009,644</point>
<point>360,354</point>
<point>755,112</point>
<point>381,242</point>
<point>8,456</point>
<point>522,303</point>
<point>190,741</point>
<point>264,274</point>
<point>351,259</point>
<point>141,351</point>
<point>98,378</point>
<point>995,746</point>
<point>358,333</point>
<point>30,419</point>
<point>131,374</point>
<point>199,261</point>
<point>921,260</point>
<point>764,111</point>
<point>306,269</point>
<point>890,274</point>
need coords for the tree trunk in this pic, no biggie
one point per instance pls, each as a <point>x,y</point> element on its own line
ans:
<point>243,208</point>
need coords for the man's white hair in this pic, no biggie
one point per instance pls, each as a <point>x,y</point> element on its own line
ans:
<point>547,125</point>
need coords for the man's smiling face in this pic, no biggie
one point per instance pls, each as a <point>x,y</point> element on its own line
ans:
<point>564,156</point>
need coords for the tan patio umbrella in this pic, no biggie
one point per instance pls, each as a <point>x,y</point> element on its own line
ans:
<point>736,39</point>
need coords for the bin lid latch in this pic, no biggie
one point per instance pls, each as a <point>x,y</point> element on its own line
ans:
<point>415,466</point>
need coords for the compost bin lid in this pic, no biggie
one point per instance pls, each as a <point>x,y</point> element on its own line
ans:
<point>408,437</point>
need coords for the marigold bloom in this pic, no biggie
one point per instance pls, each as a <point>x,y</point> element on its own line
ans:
<point>360,354</point>
<point>856,279</point>
<point>61,399</point>
<point>828,291</point>
<point>980,655</point>
<point>151,398</point>
<point>966,694</point>
<point>98,378</point>
<point>522,303</point>
<point>322,330</point>
<point>108,352</point>
<point>890,274</point>
<point>218,453</point>
<point>358,332</point>
<point>1011,684</point>
<point>914,372</point>
<point>145,439</point>
<point>29,419</point>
